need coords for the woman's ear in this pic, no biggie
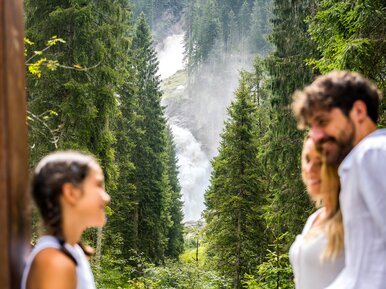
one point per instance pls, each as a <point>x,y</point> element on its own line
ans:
<point>70,193</point>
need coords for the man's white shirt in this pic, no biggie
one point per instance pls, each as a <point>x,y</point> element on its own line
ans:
<point>363,204</point>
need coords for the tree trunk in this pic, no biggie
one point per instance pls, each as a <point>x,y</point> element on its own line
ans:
<point>14,208</point>
<point>237,281</point>
<point>98,252</point>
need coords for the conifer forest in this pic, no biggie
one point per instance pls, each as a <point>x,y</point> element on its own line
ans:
<point>202,161</point>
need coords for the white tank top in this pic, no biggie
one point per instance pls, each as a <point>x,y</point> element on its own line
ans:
<point>304,254</point>
<point>84,276</point>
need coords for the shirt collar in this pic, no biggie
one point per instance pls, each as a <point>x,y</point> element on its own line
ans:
<point>346,163</point>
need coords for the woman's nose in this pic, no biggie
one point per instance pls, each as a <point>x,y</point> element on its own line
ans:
<point>106,197</point>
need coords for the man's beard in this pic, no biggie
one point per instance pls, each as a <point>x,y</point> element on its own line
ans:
<point>342,145</point>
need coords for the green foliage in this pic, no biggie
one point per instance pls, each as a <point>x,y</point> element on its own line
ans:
<point>86,106</point>
<point>98,91</point>
<point>143,274</point>
<point>286,71</point>
<point>175,233</point>
<point>190,255</point>
<point>235,28</point>
<point>178,275</point>
<point>235,227</point>
<point>275,271</point>
<point>277,148</point>
<point>155,205</point>
<point>162,15</point>
<point>351,36</point>
<point>106,101</point>
<point>35,68</point>
<point>259,27</point>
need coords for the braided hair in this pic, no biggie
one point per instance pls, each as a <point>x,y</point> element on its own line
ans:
<point>52,172</point>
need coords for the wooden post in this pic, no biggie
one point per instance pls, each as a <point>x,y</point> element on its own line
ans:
<point>14,208</point>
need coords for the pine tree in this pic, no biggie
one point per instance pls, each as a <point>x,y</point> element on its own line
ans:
<point>83,94</point>
<point>234,200</point>
<point>351,36</point>
<point>287,71</point>
<point>244,24</point>
<point>259,27</point>
<point>124,205</point>
<point>233,37</point>
<point>161,15</point>
<point>175,235</point>
<point>151,179</point>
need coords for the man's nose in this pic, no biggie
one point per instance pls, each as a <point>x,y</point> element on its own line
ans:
<point>316,134</point>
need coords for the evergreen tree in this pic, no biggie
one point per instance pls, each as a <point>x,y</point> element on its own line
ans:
<point>287,71</point>
<point>151,179</point>
<point>205,31</point>
<point>175,236</point>
<point>122,227</point>
<point>83,95</point>
<point>235,226</point>
<point>351,36</point>
<point>259,27</point>
<point>162,15</point>
<point>244,26</point>
<point>233,37</point>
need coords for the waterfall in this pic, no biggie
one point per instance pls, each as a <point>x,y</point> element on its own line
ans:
<point>193,163</point>
<point>171,55</point>
<point>197,118</point>
<point>194,170</point>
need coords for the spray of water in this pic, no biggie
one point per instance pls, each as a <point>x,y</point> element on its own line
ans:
<point>194,169</point>
<point>193,163</point>
<point>171,55</point>
<point>197,118</point>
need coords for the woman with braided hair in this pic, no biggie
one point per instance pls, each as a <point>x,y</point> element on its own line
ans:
<point>68,189</point>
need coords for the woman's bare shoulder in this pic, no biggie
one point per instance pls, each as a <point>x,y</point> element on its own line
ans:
<point>51,267</point>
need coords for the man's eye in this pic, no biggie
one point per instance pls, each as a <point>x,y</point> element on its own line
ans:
<point>321,122</point>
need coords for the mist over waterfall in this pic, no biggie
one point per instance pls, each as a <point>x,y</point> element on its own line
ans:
<point>193,163</point>
<point>194,171</point>
<point>171,55</point>
<point>195,117</point>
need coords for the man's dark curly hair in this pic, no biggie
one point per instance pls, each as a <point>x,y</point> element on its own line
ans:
<point>337,89</point>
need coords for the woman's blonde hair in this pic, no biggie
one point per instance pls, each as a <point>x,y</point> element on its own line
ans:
<point>333,224</point>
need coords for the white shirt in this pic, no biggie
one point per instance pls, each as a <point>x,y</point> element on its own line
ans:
<point>84,277</point>
<point>309,270</point>
<point>363,204</point>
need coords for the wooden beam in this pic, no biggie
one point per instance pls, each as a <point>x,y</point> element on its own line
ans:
<point>14,202</point>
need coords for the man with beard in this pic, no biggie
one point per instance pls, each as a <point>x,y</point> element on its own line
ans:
<point>341,111</point>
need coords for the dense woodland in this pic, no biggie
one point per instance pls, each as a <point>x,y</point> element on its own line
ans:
<point>93,85</point>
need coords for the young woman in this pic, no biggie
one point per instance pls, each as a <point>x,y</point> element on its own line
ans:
<point>68,189</point>
<point>317,254</point>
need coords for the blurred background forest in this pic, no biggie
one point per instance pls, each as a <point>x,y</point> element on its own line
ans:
<point>186,104</point>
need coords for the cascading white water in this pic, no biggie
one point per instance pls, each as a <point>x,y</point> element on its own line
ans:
<point>194,170</point>
<point>171,55</point>
<point>193,164</point>
<point>196,119</point>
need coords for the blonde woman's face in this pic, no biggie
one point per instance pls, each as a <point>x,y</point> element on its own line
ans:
<point>311,168</point>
